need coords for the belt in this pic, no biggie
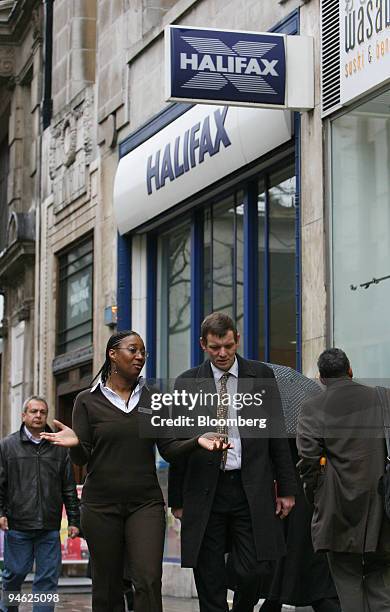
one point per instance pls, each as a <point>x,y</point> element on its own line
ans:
<point>230,473</point>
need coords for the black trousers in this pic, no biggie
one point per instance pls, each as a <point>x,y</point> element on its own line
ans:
<point>111,530</point>
<point>229,522</point>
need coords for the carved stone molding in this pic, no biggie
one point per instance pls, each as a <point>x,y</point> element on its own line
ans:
<point>72,359</point>
<point>70,152</point>
<point>23,312</point>
<point>69,139</point>
<point>15,17</point>
<point>6,7</point>
<point>19,253</point>
<point>37,24</point>
<point>88,125</point>
<point>7,61</point>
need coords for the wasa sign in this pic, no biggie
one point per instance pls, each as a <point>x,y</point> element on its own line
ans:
<point>364,46</point>
<point>238,68</point>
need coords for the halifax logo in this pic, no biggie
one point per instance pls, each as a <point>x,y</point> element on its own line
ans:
<point>189,150</point>
<point>228,66</point>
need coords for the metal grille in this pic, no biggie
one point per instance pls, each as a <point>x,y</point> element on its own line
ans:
<point>330,55</point>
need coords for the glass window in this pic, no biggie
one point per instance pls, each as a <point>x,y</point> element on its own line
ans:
<point>360,229</point>
<point>207,262</point>
<point>174,301</point>
<point>261,214</point>
<point>75,298</point>
<point>223,258</point>
<point>223,272</point>
<point>239,277</point>
<point>281,202</point>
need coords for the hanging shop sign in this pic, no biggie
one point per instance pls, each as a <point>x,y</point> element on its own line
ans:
<point>202,146</point>
<point>364,46</point>
<point>239,68</point>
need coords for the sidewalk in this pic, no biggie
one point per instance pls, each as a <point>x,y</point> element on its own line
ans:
<point>81,602</point>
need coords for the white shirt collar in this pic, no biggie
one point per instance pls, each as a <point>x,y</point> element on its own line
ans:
<point>217,373</point>
<point>30,436</point>
<point>141,383</point>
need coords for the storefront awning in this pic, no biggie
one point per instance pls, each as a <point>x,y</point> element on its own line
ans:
<point>202,146</point>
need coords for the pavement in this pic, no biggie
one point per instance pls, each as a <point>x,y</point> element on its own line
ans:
<point>75,596</point>
<point>81,602</point>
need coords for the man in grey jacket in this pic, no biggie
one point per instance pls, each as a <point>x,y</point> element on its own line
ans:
<point>341,444</point>
<point>36,479</point>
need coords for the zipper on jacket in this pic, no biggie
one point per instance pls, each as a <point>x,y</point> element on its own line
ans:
<point>38,452</point>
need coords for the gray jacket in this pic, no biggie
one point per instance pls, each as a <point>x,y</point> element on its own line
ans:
<point>344,424</point>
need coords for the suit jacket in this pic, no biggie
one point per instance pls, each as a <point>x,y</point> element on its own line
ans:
<point>193,481</point>
<point>344,424</point>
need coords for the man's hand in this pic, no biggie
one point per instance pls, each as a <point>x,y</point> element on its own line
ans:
<point>3,523</point>
<point>284,505</point>
<point>214,442</point>
<point>65,437</point>
<point>73,532</point>
<point>177,513</point>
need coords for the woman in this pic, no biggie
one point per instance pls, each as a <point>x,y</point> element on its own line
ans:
<point>122,507</point>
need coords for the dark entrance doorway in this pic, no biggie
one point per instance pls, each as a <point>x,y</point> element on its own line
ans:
<point>69,384</point>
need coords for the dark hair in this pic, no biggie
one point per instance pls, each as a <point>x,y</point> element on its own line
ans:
<point>218,324</point>
<point>333,363</point>
<point>113,341</point>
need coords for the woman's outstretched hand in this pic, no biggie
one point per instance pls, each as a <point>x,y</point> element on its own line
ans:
<point>214,441</point>
<point>65,437</point>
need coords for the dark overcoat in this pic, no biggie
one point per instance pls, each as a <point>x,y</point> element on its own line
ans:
<point>345,424</point>
<point>302,576</point>
<point>193,481</point>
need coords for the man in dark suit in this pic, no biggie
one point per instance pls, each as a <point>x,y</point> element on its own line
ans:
<point>342,429</point>
<point>230,501</point>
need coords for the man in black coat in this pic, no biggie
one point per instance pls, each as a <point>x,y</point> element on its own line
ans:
<point>36,479</point>
<point>233,501</point>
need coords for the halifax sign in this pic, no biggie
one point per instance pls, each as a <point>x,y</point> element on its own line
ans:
<point>231,67</point>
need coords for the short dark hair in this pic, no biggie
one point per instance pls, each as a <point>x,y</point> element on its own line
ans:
<point>333,363</point>
<point>217,324</point>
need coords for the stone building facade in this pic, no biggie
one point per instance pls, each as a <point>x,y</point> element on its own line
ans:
<point>60,135</point>
<point>162,250</point>
<point>21,59</point>
<point>106,82</point>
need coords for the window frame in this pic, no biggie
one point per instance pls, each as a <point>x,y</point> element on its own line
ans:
<point>62,284</point>
<point>252,325</point>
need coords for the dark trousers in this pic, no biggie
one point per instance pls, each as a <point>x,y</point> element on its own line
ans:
<point>362,581</point>
<point>111,530</point>
<point>321,605</point>
<point>21,548</point>
<point>229,521</point>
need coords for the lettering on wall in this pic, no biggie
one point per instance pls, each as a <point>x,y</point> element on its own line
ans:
<point>188,150</point>
<point>364,46</point>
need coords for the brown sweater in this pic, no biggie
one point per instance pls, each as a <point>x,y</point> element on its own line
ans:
<point>120,464</point>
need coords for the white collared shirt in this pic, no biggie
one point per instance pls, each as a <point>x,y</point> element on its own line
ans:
<point>31,437</point>
<point>233,461</point>
<point>116,400</point>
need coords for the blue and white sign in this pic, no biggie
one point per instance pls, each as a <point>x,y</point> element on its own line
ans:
<point>238,68</point>
<point>233,66</point>
<point>201,147</point>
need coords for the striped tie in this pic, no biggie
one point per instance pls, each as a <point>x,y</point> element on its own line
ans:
<point>222,412</point>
